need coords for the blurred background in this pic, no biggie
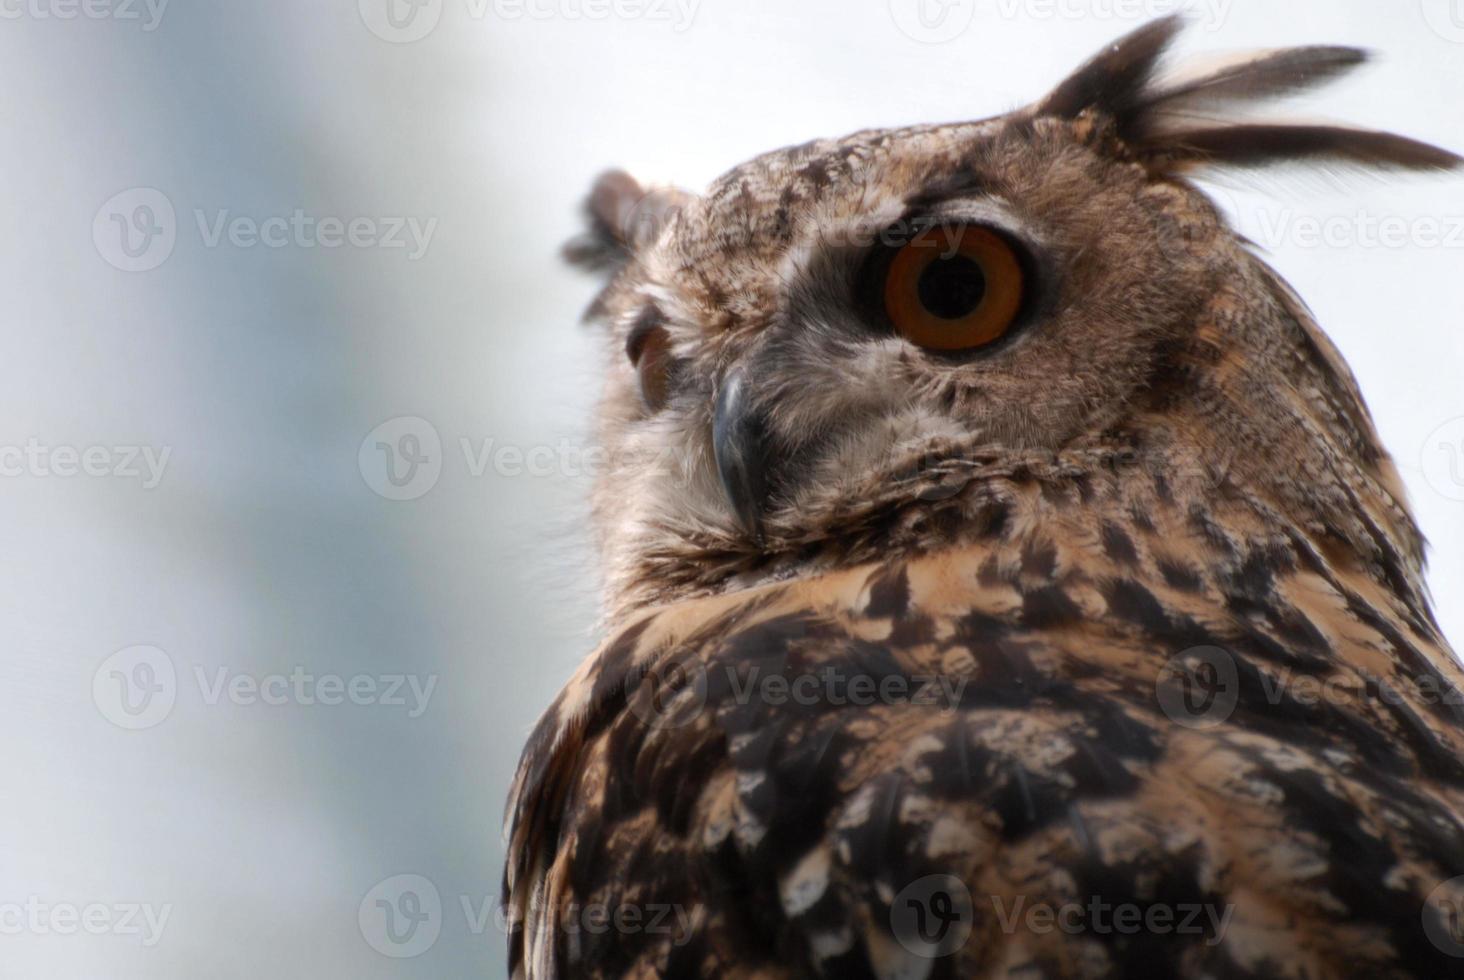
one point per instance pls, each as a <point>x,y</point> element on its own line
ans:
<point>294,390</point>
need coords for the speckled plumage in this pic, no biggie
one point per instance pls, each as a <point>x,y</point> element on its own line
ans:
<point>1020,551</point>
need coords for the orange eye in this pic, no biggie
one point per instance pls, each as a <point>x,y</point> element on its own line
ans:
<point>954,288</point>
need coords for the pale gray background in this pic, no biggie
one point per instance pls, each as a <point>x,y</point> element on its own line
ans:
<point>263,549</point>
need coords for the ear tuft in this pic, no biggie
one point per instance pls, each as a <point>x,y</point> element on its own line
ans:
<point>623,217</point>
<point>1259,145</point>
<point>602,245</point>
<point>1245,79</point>
<point>1182,123</point>
<point>1113,81</point>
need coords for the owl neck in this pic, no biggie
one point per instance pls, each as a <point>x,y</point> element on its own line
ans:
<point>1131,506</point>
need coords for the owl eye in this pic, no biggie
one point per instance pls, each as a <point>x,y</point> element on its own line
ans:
<point>954,288</point>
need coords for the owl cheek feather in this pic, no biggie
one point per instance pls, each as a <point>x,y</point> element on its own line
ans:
<point>740,445</point>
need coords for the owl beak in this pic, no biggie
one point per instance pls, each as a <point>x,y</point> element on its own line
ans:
<point>739,442</point>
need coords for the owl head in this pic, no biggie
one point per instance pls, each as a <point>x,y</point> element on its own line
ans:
<point>868,343</point>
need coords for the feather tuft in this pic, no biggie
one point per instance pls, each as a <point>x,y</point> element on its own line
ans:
<point>1247,79</point>
<point>1259,145</point>
<point>1115,79</point>
<point>1180,124</point>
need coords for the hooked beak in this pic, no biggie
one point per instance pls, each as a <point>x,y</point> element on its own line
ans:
<point>739,442</point>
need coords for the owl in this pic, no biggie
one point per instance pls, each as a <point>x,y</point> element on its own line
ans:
<point>1003,575</point>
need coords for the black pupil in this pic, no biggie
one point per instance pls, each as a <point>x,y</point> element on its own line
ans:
<point>952,288</point>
